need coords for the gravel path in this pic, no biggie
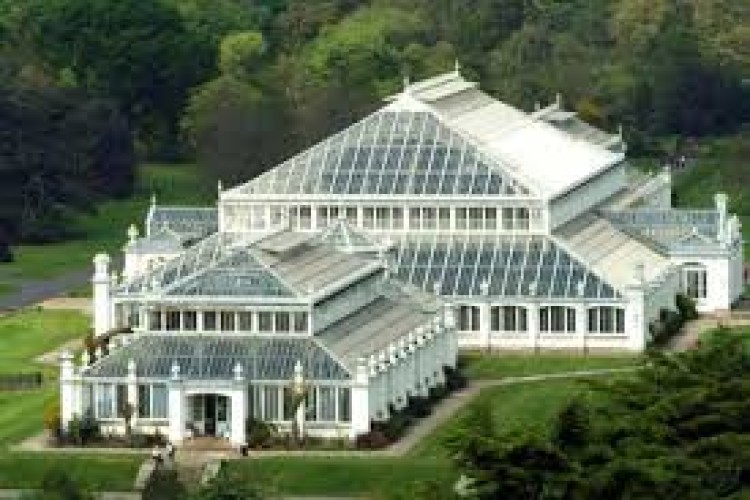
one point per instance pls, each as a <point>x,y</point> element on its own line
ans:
<point>34,291</point>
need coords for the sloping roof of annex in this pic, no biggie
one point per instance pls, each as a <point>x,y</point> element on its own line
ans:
<point>512,266</point>
<point>283,265</point>
<point>671,228</point>
<point>440,137</point>
<point>214,357</point>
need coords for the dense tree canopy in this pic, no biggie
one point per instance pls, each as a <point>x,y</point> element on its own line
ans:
<point>242,84</point>
<point>679,428</point>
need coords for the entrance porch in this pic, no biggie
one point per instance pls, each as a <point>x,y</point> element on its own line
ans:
<point>208,416</point>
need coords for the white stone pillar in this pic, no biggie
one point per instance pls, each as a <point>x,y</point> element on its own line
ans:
<point>102,301</point>
<point>484,316</point>
<point>68,399</point>
<point>533,324</point>
<point>238,435</point>
<point>132,391</point>
<point>582,326</point>
<point>636,325</point>
<point>177,411</point>
<point>360,423</point>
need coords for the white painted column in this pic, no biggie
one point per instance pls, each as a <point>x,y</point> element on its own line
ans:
<point>360,423</point>
<point>582,326</point>
<point>239,408</point>
<point>68,388</point>
<point>102,302</point>
<point>132,391</point>
<point>177,411</point>
<point>533,324</point>
<point>636,325</point>
<point>484,316</point>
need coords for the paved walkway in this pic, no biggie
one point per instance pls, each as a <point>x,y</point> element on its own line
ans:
<point>34,291</point>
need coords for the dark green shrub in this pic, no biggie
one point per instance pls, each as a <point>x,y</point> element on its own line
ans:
<point>418,406</point>
<point>373,440</point>
<point>259,434</point>
<point>686,307</point>
<point>164,484</point>
<point>455,380</point>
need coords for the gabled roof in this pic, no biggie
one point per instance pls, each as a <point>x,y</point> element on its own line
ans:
<point>344,238</point>
<point>554,159</point>
<point>214,357</point>
<point>281,265</point>
<point>511,265</point>
<point>391,152</point>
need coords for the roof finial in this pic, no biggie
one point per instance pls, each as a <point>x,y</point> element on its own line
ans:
<point>457,66</point>
<point>620,131</point>
<point>153,199</point>
<point>219,186</point>
<point>407,83</point>
<point>558,100</point>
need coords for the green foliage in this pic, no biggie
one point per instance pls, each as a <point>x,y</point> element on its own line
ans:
<point>686,307</point>
<point>58,485</point>
<point>164,484</point>
<point>239,53</point>
<point>61,150</point>
<point>228,485</point>
<point>52,419</point>
<point>259,434</point>
<point>136,51</point>
<point>675,429</point>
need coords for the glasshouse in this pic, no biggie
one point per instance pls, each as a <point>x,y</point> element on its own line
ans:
<point>326,292</point>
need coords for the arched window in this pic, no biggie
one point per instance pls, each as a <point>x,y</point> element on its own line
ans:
<point>695,281</point>
<point>606,319</point>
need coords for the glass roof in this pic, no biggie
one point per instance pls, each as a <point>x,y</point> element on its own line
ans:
<point>214,357</point>
<point>390,153</point>
<point>512,266</point>
<point>667,228</point>
<point>222,264</point>
<point>187,222</point>
<point>343,237</point>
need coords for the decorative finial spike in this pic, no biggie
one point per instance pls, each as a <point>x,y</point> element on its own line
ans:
<point>558,100</point>
<point>153,199</point>
<point>620,131</point>
<point>407,83</point>
<point>219,186</point>
<point>457,66</point>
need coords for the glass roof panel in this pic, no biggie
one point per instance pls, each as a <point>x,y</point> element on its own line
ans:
<point>390,152</point>
<point>512,266</point>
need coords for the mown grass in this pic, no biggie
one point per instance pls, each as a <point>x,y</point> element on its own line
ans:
<point>106,229</point>
<point>529,407</point>
<point>25,335</point>
<point>369,477</point>
<point>491,366</point>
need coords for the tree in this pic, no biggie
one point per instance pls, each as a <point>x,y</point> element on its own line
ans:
<point>61,150</point>
<point>239,53</point>
<point>135,51</point>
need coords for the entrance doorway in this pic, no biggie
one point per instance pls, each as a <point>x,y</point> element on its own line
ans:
<point>210,415</point>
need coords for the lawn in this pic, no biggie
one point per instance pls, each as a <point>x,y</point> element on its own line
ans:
<point>524,407</point>
<point>106,229</point>
<point>23,336</point>
<point>491,366</point>
<point>324,476</point>
<point>528,407</point>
